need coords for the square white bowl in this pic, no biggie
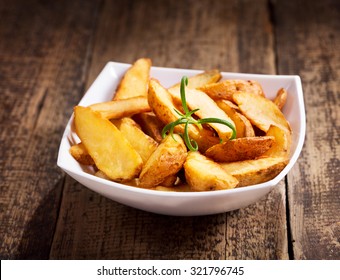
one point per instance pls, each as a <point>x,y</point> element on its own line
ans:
<point>184,203</point>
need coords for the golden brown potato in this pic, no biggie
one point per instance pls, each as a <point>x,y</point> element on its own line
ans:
<point>162,105</point>
<point>281,98</point>
<point>135,81</point>
<point>243,126</point>
<point>79,152</point>
<point>117,109</point>
<point>256,171</point>
<point>281,147</point>
<point>142,143</point>
<point>165,161</point>
<point>110,150</point>
<point>225,89</point>
<point>199,80</point>
<point>150,124</point>
<point>207,109</point>
<point>260,111</point>
<point>240,149</point>
<point>169,181</point>
<point>203,174</point>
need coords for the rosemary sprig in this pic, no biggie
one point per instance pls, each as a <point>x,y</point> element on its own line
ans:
<point>186,119</point>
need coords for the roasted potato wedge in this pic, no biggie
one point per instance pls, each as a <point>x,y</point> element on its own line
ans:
<point>162,105</point>
<point>256,171</point>
<point>243,126</point>
<point>142,143</point>
<point>207,109</point>
<point>240,149</point>
<point>79,152</point>
<point>150,124</point>
<point>117,109</point>
<point>225,89</point>
<point>281,98</point>
<point>260,111</point>
<point>281,147</point>
<point>165,161</point>
<point>169,181</point>
<point>199,80</point>
<point>203,174</point>
<point>135,81</point>
<point>110,150</point>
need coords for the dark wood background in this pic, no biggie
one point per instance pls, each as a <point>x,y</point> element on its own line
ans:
<point>50,53</point>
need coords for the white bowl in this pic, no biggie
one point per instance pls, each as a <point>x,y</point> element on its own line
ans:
<point>184,203</point>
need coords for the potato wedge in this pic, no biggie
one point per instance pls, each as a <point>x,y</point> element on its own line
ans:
<point>203,174</point>
<point>260,111</point>
<point>117,109</point>
<point>169,181</point>
<point>150,124</point>
<point>243,126</point>
<point>225,89</point>
<point>162,105</point>
<point>240,149</point>
<point>256,171</point>
<point>79,152</point>
<point>199,80</point>
<point>281,147</point>
<point>207,109</point>
<point>165,161</point>
<point>110,150</point>
<point>281,98</point>
<point>142,143</point>
<point>135,81</point>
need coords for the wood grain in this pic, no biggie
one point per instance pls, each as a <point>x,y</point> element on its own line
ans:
<point>42,73</point>
<point>313,28</point>
<point>186,35</point>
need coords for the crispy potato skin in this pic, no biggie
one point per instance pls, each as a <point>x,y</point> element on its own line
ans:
<point>256,171</point>
<point>110,150</point>
<point>240,149</point>
<point>165,161</point>
<point>135,81</point>
<point>261,111</point>
<point>203,174</point>
<point>281,98</point>
<point>79,152</point>
<point>226,89</point>
<point>202,79</point>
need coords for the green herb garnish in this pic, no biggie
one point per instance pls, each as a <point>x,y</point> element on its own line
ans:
<point>186,119</point>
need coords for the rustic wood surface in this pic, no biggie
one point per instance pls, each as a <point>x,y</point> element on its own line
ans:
<point>50,53</point>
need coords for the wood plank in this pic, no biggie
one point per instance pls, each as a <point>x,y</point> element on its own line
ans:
<point>308,40</point>
<point>42,56</point>
<point>191,34</point>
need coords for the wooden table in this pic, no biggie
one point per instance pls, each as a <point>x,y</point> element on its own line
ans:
<point>50,53</point>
